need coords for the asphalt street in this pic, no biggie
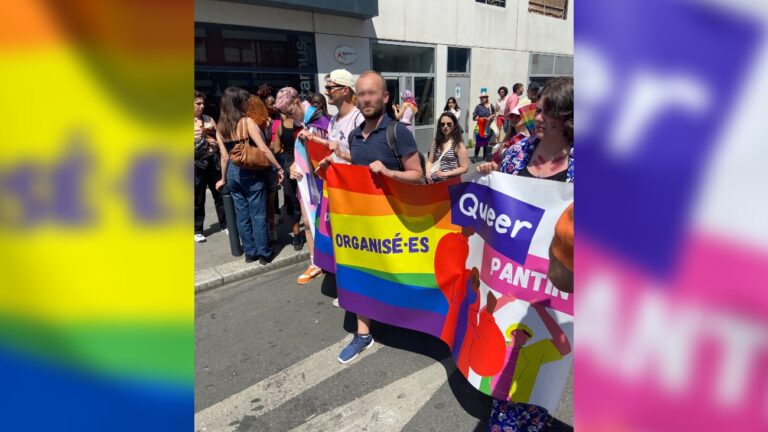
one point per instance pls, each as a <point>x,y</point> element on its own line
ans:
<point>266,361</point>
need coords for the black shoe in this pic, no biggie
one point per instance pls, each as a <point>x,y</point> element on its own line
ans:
<point>249,259</point>
<point>298,244</point>
<point>266,260</point>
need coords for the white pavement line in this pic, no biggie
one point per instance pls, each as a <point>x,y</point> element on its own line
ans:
<point>387,409</point>
<point>279,388</point>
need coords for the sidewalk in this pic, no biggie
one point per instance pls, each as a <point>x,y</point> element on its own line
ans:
<point>215,265</point>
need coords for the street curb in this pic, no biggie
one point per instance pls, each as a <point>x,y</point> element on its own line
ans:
<point>220,275</point>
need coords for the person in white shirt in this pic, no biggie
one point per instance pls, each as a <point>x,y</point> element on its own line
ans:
<point>452,107</point>
<point>340,90</point>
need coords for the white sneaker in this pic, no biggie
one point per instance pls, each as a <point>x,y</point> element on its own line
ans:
<point>335,302</point>
<point>225,231</point>
<point>199,238</point>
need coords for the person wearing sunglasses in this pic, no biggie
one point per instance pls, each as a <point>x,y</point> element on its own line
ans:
<point>340,90</point>
<point>448,157</point>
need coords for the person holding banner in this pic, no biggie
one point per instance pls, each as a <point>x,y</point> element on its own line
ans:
<point>369,147</point>
<point>546,155</point>
<point>315,122</point>
<point>484,114</point>
<point>448,157</point>
<point>340,90</point>
<point>549,153</point>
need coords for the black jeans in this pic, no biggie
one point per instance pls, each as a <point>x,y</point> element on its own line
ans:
<point>290,188</point>
<point>477,150</point>
<point>206,179</point>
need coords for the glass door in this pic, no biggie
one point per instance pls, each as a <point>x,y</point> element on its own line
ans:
<point>393,88</point>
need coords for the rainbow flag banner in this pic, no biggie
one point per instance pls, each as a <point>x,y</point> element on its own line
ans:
<point>527,113</point>
<point>483,132</point>
<point>317,152</point>
<point>464,262</point>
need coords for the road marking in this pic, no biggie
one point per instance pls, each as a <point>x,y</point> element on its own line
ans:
<point>274,391</point>
<point>387,409</point>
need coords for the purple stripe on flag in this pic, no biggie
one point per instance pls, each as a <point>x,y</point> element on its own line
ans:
<point>414,319</point>
<point>324,261</point>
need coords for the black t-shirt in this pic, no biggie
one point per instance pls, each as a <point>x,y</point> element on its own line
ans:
<point>288,137</point>
<point>365,151</point>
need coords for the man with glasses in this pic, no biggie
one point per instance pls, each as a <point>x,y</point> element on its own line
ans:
<point>340,90</point>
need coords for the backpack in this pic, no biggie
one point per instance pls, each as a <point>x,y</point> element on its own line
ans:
<point>392,142</point>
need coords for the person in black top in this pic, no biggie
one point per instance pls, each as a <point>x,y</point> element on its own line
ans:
<point>249,188</point>
<point>286,134</point>
<point>207,168</point>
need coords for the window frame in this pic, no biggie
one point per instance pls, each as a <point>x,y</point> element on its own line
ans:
<point>545,7</point>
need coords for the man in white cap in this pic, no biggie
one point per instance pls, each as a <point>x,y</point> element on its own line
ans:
<point>340,90</point>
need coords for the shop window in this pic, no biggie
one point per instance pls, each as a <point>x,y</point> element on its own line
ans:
<point>563,65</point>
<point>220,45</point>
<point>542,64</point>
<point>458,60</point>
<point>552,8</point>
<point>551,65</point>
<point>402,58</point>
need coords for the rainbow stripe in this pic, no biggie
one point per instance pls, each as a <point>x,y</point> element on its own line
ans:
<point>317,152</point>
<point>398,289</point>
<point>527,113</point>
<point>96,308</point>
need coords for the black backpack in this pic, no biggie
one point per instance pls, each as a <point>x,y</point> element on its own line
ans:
<point>392,142</point>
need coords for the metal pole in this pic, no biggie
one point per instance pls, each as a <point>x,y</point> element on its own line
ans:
<point>229,210</point>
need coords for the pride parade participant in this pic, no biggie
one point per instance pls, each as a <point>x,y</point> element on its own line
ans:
<point>368,147</point>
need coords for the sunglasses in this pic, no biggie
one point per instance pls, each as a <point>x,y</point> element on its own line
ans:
<point>332,88</point>
<point>446,124</point>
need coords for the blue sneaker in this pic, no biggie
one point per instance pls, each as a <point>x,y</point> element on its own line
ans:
<point>359,344</point>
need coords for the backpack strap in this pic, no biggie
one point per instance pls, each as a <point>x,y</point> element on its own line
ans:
<point>392,142</point>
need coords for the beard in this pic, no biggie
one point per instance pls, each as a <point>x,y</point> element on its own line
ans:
<point>374,114</point>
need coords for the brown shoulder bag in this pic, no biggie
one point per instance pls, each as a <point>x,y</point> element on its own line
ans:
<point>246,155</point>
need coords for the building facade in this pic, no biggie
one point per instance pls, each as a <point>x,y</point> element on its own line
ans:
<point>435,48</point>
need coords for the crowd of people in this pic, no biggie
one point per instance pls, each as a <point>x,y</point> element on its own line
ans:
<point>357,134</point>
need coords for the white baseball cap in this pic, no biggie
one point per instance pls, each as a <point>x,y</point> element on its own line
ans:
<point>342,77</point>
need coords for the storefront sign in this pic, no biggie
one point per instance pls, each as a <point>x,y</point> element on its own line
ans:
<point>345,55</point>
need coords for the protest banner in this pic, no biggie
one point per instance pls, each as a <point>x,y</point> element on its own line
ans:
<point>465,262</point>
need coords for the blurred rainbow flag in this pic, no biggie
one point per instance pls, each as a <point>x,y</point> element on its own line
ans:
<point>483,127</point>
<point>96,305</point>
<point>527,113</point>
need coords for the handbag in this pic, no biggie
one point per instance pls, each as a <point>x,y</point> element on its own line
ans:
<point>248,156</point>
<point>435,167</point>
